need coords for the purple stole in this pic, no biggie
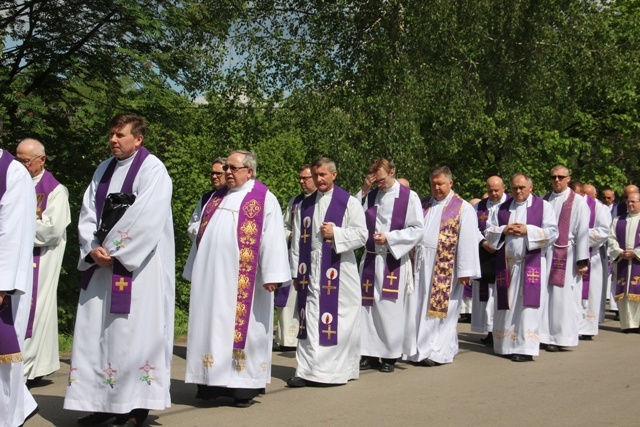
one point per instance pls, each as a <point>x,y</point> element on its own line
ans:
<point>249,233</point>
<point>624,264</point>
<point>44,187</point>
<point>532,260</point>
<point>622,210</point>
<point>282,295</point>
<point>392,265</point>
<point>561,247</point>
<point>445,255</point>
<point>586,279</point>
<point>9,345</point>
<point>329,269</point>
<point>121,279</point>
<point>209,207</point>
<point>482,213</point>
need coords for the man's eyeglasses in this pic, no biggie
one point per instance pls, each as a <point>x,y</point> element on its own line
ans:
<point>27,162</point>
<point>217,173</point>
<point>560,177</point>
<point>233,169</point>
<point>632,201</point>
<point>304,178</point>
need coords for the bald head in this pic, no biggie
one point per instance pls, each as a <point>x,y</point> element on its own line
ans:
<point>30,153</point>
<point>630,189</point>
<point>32,146</point>
<point>404,182</point>
<point>590,190</point>
<point>495,189</point>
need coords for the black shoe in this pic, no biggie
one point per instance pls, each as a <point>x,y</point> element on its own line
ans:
<point>551,348</point>
<point>387,367</point>
<point>243,403</point>
<point>428,362</point>
<point>34,382</point>
<point>369,363</point>
<point>296,382</point>
<point>617,316</point>
<point>585,337</point>
<point>521,358</point>
<point>95,419</point>
<point>263,391</point>
<point>488,340</point>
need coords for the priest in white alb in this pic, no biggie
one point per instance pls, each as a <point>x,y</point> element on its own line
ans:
<point>41,356</point>
<point>17,232</point>
<point>394,221</point>
<point>238,258</point>
<point>594,282</point>
<point>523,230</point>
<point>327,229</point>
<point>123,341</point>
<point>624,252</point>
<point>446,261</point>
<point>562,297</point>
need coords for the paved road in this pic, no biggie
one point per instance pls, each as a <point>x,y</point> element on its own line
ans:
<point>595,384</point>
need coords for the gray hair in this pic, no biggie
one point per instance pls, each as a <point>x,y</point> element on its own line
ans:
<point>524,175</point>
<point>558,167</point>
<point>441,170</point>
<point>220,160</point>
<point>250,160</point>
<point>324,161</point>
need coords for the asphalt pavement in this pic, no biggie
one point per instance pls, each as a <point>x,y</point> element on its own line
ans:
<point>594,384</point>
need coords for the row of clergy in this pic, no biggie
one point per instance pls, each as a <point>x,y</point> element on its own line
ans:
<point>401,302</point>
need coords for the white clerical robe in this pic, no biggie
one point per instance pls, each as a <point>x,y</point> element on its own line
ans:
<point>287,317</point>
<point>598,271</point>
<point>17,231</point>
<point>120,362</point>
<point>339,363</point>
<point>41,356</point>
<point>562,306</point>
<point>212,269</point>
<point>517,330</point>
<point>482,318</point>
<point>629,310</point>
<point>387,321</point>
<point>437,338</point>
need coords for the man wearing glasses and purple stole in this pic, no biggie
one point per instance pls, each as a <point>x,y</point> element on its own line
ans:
<point>18,230</point>
<point>217,182</point>
<point>286,337</point>
<point>562,297</point>
<point>394,220</point>
<point>123,341</point>
<point>446,261</point>
<point>523,230</point>
<point>328,228</point>
<point>624,252</point>
<point>235,264</point>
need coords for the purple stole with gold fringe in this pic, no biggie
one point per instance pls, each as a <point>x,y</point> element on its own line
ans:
<point>532,260</point>
<point>329,267</point>
<point>624,264</point>
<point>121,278</point>
<point>282,295</point>
<point>9,345</point>
<point>445,255</point>
<point>561,247</point>
<point>586,279</point>
<point>391,276</point>
<point>45,186</point>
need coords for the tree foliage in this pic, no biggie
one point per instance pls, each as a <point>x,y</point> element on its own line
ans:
<point>483,86</point>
